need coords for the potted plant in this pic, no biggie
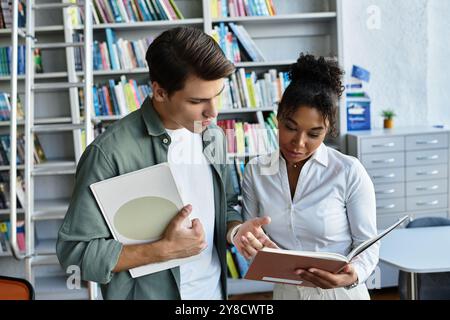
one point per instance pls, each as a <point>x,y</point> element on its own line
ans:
<point>388,116</point>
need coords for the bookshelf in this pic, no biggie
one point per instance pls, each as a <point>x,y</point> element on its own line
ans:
<point>299,26</point>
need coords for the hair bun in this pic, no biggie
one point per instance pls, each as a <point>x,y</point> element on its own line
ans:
<point>311,70</point>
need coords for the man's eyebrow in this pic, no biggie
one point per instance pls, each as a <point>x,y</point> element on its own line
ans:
<point>203,99</point>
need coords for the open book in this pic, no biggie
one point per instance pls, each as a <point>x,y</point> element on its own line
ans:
<point>278,266</point>
<point>138,206</point>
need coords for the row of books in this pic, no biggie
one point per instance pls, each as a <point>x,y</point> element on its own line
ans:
<point>241,8</point>
<point>6,13</point>
<point>5,60</point>
<point>237,265</point>
<point>228,42</point>
<point>236,43</point>
<point>5,228</point>
<point>253,139</point>
<point>244,90</point>
<point>118,54</point>
<point>119,98</point>
<point>129,11</point>
<point>5,107</point>
<point>5,149</point>
<point>5,187</point>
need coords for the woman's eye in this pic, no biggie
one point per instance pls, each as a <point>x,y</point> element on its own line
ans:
<point>314,135</point>
<point>195,102</point>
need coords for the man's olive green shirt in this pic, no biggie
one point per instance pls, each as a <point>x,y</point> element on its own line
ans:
<point>137,141</point>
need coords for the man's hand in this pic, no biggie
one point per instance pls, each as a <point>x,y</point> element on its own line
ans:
<point>181,241</point>
<point>326,280</point>
<point>251,237</point>
<point>178,241</point>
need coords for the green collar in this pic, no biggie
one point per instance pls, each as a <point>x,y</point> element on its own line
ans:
<point>152,119</point>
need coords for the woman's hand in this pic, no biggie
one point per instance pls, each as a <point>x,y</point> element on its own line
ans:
<point>326,280</point>
<point>251,237</point>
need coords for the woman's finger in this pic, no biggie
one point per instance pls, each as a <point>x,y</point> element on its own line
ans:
<point>315,280</point>
<point>255,243</point>
<point>248,247</point>
<point>266,242</point>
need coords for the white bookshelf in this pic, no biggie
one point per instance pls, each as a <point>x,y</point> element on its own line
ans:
<point>300,26</point>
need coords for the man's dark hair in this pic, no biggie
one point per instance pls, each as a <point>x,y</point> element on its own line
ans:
<point>180,52</point>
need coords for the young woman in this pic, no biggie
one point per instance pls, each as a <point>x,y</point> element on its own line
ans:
<point>319,199</point>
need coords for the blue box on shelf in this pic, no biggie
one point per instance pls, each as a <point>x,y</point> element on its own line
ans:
<point>358,113</point>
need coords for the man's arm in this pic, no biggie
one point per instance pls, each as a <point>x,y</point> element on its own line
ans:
<point>133,256</point>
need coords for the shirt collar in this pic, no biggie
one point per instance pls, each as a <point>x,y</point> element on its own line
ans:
<point>321,155</point>
<point>152,119</point>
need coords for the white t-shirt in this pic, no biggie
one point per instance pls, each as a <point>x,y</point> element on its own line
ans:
<point>200,279</point>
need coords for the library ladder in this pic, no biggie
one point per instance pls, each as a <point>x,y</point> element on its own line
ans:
<point>77,126</point>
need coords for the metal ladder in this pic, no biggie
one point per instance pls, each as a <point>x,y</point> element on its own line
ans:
<point>74,82</point>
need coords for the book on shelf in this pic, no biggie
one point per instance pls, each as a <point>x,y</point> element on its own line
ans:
<point>236,43</point>
<point>148,200</point>
<point>237,265</point>
<point>5,142</point>
<point>247,43</point>
<point>5,195</point>
<point>118,98</point>
<point>5,107</point>
<point>114,53</point>
<point>232,269</point>
<point>39,154</point>
<point>237,174</point>
<point>5,229</point>
<point>241,8</point>
<point>245,138</point>
<point>227,42</point>
<point>5,61</point>
<point>129,11</point>
<point>279,266</point>
<point>244,90</point>
<point>6,14</point>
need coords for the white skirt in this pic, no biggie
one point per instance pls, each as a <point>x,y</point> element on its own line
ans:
<point>290,292</point>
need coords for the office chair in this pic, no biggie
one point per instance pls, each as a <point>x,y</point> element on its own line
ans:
<point>15,289</point>
<point>430,286</point>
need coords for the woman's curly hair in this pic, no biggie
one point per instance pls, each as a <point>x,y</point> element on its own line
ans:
<point>315,83</point>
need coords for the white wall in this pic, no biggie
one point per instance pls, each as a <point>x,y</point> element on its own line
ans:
<point>439,62</point>
<point>405,55</point>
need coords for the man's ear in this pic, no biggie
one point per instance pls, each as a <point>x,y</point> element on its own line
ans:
<point>159,93</point>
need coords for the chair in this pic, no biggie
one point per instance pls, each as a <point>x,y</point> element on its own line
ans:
<point>15,289</point>
<point>430,286</point>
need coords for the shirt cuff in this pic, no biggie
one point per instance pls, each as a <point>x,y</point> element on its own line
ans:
<point>100,258</point>
<point>233,233</point>
<point>360,272</point>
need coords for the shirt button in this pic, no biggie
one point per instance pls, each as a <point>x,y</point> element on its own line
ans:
<point>165,141</point>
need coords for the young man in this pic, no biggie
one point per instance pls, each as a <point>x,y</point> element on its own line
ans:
<point>187,69</point>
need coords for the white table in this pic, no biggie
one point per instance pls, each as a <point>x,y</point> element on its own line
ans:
<point>417,250</point>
